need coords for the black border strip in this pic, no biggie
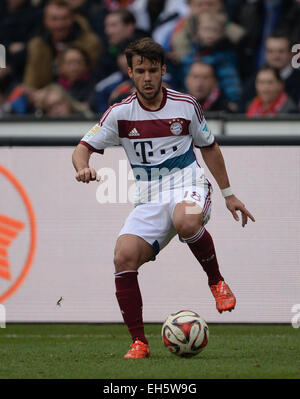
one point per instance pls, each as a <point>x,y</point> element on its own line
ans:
<point>49,141</point>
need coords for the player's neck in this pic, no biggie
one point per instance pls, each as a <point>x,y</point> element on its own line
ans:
<point>153,104</point>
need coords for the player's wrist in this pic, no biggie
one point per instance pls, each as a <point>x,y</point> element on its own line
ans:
<point>83,167</point>
<point>226,192</point>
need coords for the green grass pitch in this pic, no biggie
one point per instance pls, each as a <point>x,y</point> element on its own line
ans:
<point>96,351</point>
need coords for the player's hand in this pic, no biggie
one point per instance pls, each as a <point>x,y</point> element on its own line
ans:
<point>86,175</point>
<point>234,204</point>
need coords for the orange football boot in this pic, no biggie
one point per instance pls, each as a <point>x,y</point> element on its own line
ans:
<point>138,350</point>
<point>225,300</point>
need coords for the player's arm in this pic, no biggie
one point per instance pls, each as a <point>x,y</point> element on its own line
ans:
<point>103,134</point>
<point>80,159</point>
<point>214,160</point>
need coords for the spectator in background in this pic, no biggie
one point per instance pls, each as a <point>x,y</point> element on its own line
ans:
<point>158,17</point>
<point>96,10</point>
<point>279,56</point>
<point>271,97</point>
<point>100,98</point>
<point>24,100</point>
<point>19,22</point>
<point>119,25</point>
<point>201,83</point>
<point>122,91</point>
<point>56,102</point>
<point>212,47</point>
<point>185,31</point>
<point>113,5</point>
<point>75,74</point>
<point>86,8</point>
<point>4,104</point>
<point>233,8</point>
<point>82,7</point>
<point>61,28</point>
<point>93,11</point>
<point>261,19</point>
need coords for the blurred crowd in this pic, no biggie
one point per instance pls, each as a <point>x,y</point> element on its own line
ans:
<point>66,57</point>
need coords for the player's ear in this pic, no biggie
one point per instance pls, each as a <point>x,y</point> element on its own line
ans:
<point>163,69</point>
<point>129,70</point>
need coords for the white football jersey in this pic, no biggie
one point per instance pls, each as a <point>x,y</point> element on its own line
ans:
<point>153,140</point>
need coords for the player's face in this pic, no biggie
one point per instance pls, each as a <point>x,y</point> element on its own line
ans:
<point>147,77</point>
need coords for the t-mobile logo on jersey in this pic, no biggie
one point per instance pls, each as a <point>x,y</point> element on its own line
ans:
<point>2,316</point>
<point>142,150</point>
<point>296,58</point>
<point>2,56</point>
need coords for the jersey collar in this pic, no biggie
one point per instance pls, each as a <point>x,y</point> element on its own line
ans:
<point>162,104</point>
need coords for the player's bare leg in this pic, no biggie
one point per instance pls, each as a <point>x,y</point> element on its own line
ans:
<point>188,220</point>
<point>130,253</point>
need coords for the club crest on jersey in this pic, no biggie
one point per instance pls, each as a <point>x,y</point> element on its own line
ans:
<point>196,196</point>
<point>176,126</point>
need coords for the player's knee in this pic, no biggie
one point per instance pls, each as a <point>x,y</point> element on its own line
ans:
<point>188,226</point>
<point>187,219</point>
<point>125,259</point>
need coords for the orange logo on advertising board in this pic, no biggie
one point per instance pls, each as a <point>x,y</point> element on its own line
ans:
<point>10,229</point>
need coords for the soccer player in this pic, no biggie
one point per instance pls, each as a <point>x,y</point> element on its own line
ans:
<point>159,129</point>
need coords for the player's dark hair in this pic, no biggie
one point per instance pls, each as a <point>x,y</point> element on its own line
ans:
<point>145,48</point>
<point>275,72</point>
<point>126,16</point>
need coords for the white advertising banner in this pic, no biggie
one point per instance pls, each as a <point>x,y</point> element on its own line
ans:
<point>57,240</point>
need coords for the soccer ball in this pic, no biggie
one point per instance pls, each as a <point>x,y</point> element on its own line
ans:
<point>185,333</point>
